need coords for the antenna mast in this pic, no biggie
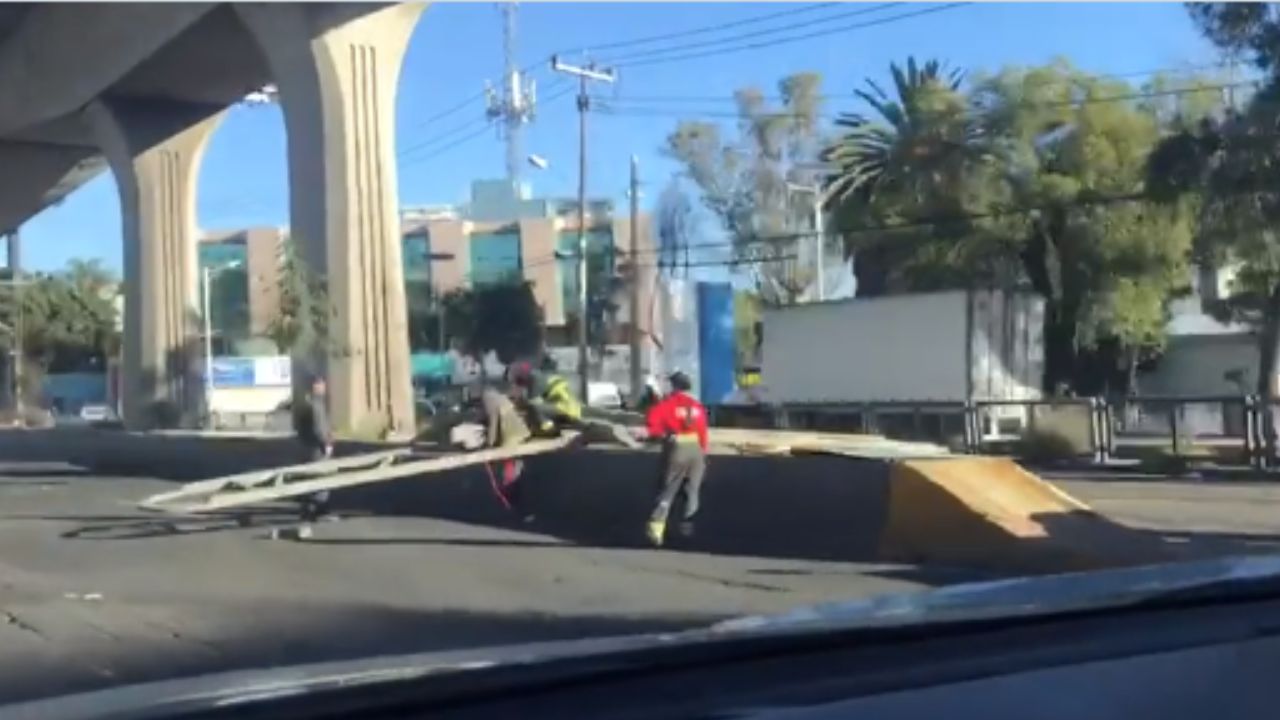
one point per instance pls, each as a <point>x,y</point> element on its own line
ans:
<point>515,104</point>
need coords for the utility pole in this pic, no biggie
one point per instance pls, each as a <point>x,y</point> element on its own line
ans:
<point>516,103</point>
<point>635,279</point>
<point>205,285</point>
<point>590,72</point>
<point>819,230</point>
<point>15,277</point>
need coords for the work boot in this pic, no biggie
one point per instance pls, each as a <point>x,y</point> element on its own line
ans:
<point>657,529</point>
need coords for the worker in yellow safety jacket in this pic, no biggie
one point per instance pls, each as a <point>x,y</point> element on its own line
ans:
<point>552,404</point>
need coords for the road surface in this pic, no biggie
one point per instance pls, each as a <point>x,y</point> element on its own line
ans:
<point>93,593</point>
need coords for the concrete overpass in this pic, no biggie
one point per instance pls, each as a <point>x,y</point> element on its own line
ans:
<point>139,88</point>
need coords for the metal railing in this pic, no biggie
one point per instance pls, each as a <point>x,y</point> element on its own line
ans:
<point>1230,429</point>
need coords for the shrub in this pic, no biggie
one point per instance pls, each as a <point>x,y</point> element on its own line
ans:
<point>1046,446</point>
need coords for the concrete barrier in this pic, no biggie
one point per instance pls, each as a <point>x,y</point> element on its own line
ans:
<point>179,456</point>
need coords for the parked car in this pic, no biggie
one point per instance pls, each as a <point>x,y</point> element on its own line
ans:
<point>96,412</point>
<point>605,395</point>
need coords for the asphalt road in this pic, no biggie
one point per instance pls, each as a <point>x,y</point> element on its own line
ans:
<point>93,593</point>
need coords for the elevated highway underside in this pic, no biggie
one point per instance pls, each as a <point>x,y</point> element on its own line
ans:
<point>55,59</point>
<point>138,88</point>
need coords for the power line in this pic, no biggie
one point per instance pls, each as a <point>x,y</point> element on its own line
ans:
<point>622,106</point>
<point>705,29</point>
<point>623,59</point>
<point>850,96</point>
<point>794,38</point>
<point>539,64</point>
<point>436,152</point>
<point>441,148</point>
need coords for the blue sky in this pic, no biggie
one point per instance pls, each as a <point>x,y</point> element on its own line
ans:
<point>457,47</point>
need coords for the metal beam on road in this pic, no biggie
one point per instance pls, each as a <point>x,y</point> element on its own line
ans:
<point>270,485</point>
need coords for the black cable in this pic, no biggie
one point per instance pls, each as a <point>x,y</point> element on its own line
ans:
<point>463,104</point>
<point>435,152</point>
<point>609,106</point>
<point>644,99</point>
<point>708,28</point>
<point>441,149</point>
<point>624,59</point>
<point>795,38</point>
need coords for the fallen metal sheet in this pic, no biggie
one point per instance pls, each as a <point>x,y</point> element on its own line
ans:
<point>237,491</point>
<point>251,478</point>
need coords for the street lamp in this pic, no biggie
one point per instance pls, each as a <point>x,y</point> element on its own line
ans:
<point>819,229</point>
<point>206,278</point>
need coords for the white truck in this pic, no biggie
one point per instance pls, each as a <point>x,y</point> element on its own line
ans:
<point>926,347</point>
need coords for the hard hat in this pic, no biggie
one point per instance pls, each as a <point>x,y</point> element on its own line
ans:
<point>518,371</point>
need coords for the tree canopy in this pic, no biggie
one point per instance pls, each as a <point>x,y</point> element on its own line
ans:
<point>1025,178</point>
<point>743,179</point>
<point>502,317</point>
<point>68,318</point>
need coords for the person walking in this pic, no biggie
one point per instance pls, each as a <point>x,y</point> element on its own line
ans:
<point>312,428</point>
<point>679,421</point>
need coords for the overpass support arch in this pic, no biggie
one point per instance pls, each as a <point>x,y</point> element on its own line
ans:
<point>154,150</point>
<point>337,67</point>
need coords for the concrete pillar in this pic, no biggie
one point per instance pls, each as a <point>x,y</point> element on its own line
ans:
<point>337,67</point>
<point>154,150</point>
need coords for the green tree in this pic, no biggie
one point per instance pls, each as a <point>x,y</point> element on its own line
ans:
<point>1242,29</point>
<point>1028,177</point>
<point>1228,168</point>
<point>303,311</point>
<point>68,321</point>
<point>502,317</point>
<point>747,329</point>
<point>914,157</point>
<point>743,179</point>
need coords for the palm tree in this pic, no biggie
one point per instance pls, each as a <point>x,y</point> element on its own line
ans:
<point>917,144</point>
<point>905,163</point>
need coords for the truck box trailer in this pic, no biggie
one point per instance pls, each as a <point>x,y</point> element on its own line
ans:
<point>926,347</point>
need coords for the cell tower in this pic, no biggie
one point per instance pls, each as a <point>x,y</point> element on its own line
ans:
<point>515,103</point>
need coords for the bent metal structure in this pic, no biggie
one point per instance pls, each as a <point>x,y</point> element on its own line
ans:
<point>139,88</point>
<point>767,493</point>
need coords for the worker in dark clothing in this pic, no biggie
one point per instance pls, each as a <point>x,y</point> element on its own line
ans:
<point>312,427</point>
<point>680,422</point>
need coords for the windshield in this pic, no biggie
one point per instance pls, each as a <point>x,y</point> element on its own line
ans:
<point>334,333</point>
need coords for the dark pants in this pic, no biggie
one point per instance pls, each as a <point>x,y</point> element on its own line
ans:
<point>316,505</point>
<point>683,466</point>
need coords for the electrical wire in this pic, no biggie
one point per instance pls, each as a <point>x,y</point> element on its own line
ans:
<point>705,29</point>
<point>538,64</point>
<point>440,149</point>
<point>624,59</point>
<point>792,39</point>
<point>622,106</point>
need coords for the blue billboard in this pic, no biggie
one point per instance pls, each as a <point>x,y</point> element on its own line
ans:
<point>716,357</point>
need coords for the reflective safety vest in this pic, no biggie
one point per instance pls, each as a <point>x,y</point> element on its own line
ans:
<point>559,396</point>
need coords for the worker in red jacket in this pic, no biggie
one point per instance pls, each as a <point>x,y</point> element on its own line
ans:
<point>680,422</point>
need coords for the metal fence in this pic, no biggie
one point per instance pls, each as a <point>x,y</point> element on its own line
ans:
<point>1230,429</point>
